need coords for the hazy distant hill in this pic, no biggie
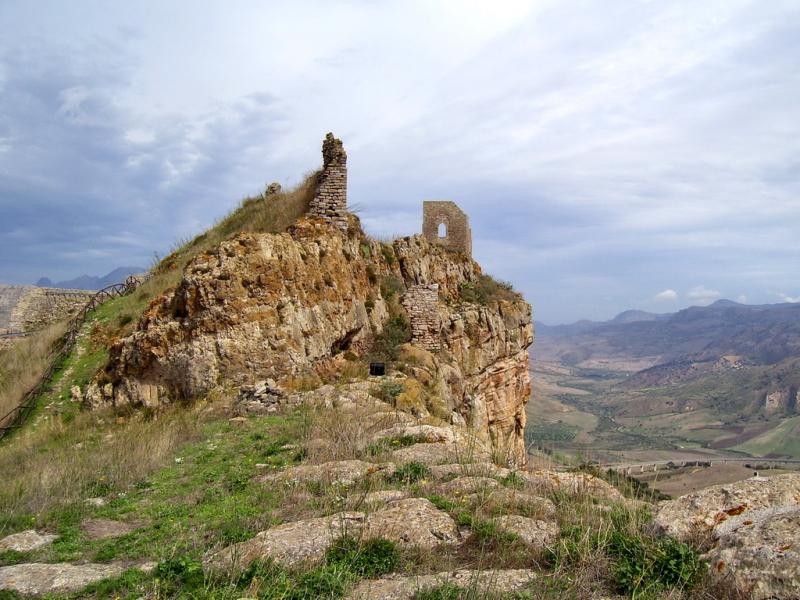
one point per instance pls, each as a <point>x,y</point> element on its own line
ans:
<point>88,282</point>
<point>761,334</point>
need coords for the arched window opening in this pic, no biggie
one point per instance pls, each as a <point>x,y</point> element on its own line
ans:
<point>442,230</point>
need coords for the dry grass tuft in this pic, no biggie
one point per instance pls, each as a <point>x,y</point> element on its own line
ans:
<point>59,464</point>
<point>22,363</point>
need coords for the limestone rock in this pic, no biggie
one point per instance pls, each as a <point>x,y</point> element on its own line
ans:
<point>761,553</point>
<point>462,486</point>
<point>290,544</point>
<point>26,541</point>
<point>701,512</point>
<point>572,483</point>
<point>512,501</point>
<point>341,472</point>
<point>423,433</point>
<point>413,522</point>
<point>486,469</point>
<point>485,582</point>
<point>533,532</point>
<point>36,579</point>
<point>432,454</point>
<point>383,496</point>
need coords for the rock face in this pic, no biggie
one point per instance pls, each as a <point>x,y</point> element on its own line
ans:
<point>279,305</point>
<point>26,541</point>
<point>751,527</point>
<point>485,583</point>
<point>36,579</point>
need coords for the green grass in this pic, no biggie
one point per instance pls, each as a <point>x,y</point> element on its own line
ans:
<point>783,439</point>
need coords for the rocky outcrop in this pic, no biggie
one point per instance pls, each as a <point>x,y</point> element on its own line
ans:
<point>37,579</point>
<point>475,583</point>
<point>750,530</point>
<point>277,306</point>
<point>26,541</point>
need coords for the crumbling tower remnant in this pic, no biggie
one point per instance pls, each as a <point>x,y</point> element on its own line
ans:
<point>330,201</point>
<point>444,223</point>
<point>421,304</point>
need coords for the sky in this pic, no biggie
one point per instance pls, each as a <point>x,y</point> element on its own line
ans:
<point>610,154</point>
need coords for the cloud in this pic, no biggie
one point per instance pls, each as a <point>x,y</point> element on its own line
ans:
<point>615,148</point>
<point>742,299</point>
<point>666,296</point>
<point>702,295</point>
<point>791,299</point>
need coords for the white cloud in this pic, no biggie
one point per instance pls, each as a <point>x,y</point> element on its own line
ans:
<point>702,295</point>
<point>791,299</point>
<point>666,296</point>
<point>742,299</point>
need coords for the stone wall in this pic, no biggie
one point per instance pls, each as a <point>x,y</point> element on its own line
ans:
<point>421,303</point>
<point>29,308</point>
<point>330,201</point>
<point>458,235</point>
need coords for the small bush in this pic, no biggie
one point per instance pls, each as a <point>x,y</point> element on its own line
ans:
<point>396,331</point>
<point>388,391</point>
<point>182,574</point>
<point>391,285</point>
<point>486,290</point>
<point>409,473</point>
<point>646,565</point>
<point>374,557</point>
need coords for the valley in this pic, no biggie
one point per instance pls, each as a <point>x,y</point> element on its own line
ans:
<point>645,388</point>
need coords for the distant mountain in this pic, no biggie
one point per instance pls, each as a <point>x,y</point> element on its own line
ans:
<point>760,334</point>
<point>87,282</point>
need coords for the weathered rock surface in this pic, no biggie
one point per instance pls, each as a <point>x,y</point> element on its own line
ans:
<point>410,522</point>
<point>533,532</point>
<point>36,579</point>
<point>341,472</point>
<point>486,469</point>
<point>752,528</point>
<point>461,486</point>
<point>513,500</point>
<point>290,544</point>
<point>265,306</point>
<point>26,541</point>
<point>761,553</point>
<point>413,522</point>
<point>699,513</point>
<point>433,454</point>
<point>484,582</point>
<point>383,496</point>
<point>571,483</point>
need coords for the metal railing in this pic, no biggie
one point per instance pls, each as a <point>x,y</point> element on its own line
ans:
<point>15,418</point>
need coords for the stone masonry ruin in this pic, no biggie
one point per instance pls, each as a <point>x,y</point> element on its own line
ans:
<point>330,201</point>
<point>420,302</point>
<point>457,234</point>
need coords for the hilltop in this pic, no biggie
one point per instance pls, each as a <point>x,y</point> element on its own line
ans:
<point>287,408</point>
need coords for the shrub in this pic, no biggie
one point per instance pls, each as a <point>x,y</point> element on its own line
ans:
<point>391,285</point>
<point>409,473</point>
<point>374,557</point>
<point>485,290</point>
<point>386,345</point>
<point>388,391</point>
<point>645,565</point>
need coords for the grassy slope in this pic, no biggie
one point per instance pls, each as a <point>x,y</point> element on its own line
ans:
<point>784,439</point>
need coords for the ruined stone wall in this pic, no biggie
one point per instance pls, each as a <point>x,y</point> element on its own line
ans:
<point>458,235</point>
<point>29,308</point>
<point>421,303</point>
<point>330,201</point>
